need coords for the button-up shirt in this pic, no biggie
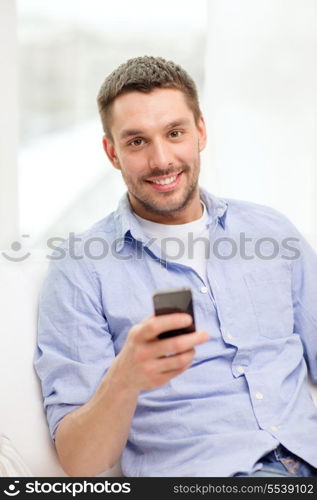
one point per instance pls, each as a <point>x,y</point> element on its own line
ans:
<point>246,390</point>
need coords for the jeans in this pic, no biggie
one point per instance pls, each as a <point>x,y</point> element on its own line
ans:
<point>282,463</point>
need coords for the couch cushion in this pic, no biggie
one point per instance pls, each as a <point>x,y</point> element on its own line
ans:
<point>22,417</point>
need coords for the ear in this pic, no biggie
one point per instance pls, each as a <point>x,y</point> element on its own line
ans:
<point>202,134</point>
<point>110,151</point>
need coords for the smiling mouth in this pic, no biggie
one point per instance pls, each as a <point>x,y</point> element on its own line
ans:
<point>165,180</point>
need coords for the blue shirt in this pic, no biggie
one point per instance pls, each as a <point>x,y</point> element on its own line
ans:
<point>246,390</point>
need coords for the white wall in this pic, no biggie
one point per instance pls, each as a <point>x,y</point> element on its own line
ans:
<point>8,125</point>
<point>261,105</point>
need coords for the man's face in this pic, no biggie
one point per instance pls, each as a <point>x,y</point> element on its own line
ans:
<point>156,145</point>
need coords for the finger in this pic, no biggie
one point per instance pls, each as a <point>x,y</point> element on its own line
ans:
<point>179,344</point>
<point>164,378</point>
<point>151,327</point>
<point>176,362</point>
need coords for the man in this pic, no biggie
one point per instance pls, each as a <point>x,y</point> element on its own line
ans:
<point>232,397</point>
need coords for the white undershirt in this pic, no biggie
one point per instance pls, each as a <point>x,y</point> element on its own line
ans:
<point>182,241</point>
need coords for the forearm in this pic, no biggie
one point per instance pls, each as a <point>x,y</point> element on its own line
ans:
<point>91,439</point>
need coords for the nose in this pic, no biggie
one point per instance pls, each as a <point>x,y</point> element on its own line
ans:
<point>159,155</point>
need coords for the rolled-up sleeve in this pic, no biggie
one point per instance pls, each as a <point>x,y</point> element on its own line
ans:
<point>74,348</point>
<point>304,292</point>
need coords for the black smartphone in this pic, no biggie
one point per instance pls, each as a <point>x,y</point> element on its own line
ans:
<point>171,301</point>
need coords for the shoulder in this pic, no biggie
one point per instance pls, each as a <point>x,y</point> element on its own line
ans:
<point>98,235</point>
<point>103,228</point>
<point>75,257</point>
<point>247,215</point>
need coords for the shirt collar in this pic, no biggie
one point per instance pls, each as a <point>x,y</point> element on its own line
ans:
<point>126,224</point>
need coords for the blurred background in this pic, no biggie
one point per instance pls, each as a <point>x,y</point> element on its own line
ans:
<point>254,62</point>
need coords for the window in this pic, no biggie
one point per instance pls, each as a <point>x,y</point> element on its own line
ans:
<point>66,49</point>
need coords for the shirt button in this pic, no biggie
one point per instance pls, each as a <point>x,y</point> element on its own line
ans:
<point>204,289</point>
<point>229,336</point>
<point>259,395</point>
<point>274,428</point>
<point>240,369</point>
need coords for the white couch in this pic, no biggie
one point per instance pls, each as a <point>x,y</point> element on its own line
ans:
<point>22,417</point>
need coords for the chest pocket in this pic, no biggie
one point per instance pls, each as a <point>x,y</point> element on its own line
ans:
<point>271,296</point>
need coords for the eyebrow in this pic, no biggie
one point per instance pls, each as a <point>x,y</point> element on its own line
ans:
<point>133,132</point>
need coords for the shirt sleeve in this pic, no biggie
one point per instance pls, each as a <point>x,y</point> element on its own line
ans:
<point>74,347</point>
<point>304,294</point>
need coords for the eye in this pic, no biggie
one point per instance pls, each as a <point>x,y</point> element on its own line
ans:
<point>175,133</point>
<point>136,142</point>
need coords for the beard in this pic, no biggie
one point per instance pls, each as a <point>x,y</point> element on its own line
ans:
<point>164,203</point>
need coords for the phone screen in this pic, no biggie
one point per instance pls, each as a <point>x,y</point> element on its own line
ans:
<point>171,301</point>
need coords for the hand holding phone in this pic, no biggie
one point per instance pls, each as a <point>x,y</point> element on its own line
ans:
<point>171,301</point>
<point>149,359</point>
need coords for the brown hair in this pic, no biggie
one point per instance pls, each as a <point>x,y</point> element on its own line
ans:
<point>143,74</point>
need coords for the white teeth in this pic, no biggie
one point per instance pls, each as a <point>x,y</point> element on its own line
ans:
<point>166,181</point>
